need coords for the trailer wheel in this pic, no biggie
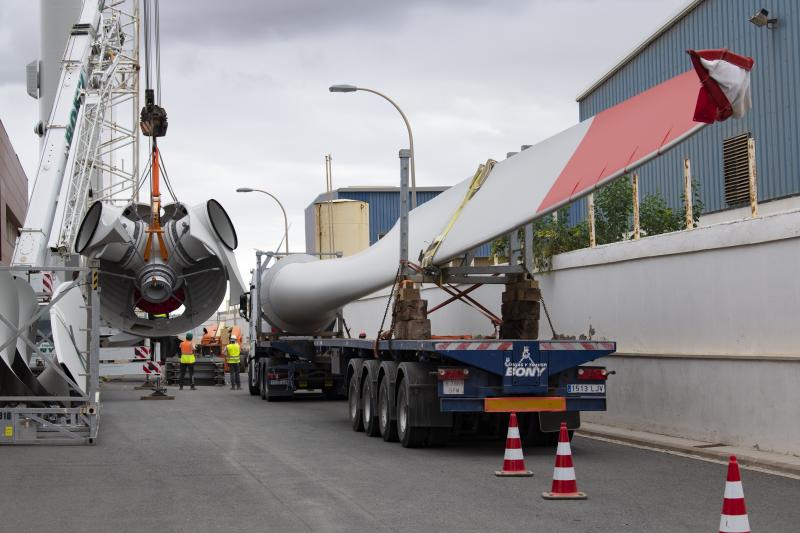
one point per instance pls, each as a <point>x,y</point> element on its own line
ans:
<point>354,404</point>
<point>253,383</point>
<point>410,436</point>
<point>386,425</point>
<point>368,410</point>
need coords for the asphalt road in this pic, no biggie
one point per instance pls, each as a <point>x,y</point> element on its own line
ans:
<point>219,460</point>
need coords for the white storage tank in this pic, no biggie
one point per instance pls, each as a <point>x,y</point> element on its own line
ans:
<point>341,226</point>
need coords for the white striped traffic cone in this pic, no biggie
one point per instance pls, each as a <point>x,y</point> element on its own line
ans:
<point>734,515</point>
<point>564,485</point>
<point>513,462</point>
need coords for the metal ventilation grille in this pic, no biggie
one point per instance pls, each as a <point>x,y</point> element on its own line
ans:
<point>735,169</point>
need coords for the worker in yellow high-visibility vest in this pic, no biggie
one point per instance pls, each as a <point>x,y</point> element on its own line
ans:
<point>231,353</point>
<point>187,360</point>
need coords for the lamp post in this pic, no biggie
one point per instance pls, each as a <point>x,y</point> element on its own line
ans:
<point>353,88</point>
<point>285,218</point>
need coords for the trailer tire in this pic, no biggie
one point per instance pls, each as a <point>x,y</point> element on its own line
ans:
<point>368,409</point>
<point>354,403</point>
<point>410,436</point>
<point>387,426</point>
<point>253,381</point>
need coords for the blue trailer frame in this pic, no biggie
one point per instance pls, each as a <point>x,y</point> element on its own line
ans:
<point>524,368</point>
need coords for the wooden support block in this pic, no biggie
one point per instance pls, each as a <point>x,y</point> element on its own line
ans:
<point>520,310</point>
<point>526,284</point>
<point>521,294</point>
<point>519,329</point>
<point>411,309</point>
<point>408,294</point>
<point>412,329</point>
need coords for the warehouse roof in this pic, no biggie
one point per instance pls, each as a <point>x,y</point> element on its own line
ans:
<point>640,47</point>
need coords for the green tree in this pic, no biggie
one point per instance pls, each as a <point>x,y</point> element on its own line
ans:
<point>613,209</point>
<point>613,222</point>
<point>656,217</point>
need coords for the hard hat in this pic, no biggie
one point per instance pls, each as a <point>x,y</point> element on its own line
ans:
<point>233,337</point>
<point>189,336</point>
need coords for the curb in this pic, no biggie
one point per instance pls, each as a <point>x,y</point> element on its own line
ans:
<point>721,456</point>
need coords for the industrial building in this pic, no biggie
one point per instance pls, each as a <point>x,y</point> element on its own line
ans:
<point>13,197</point>
<point>774,121</point>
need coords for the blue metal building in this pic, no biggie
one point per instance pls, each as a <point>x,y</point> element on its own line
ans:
<point>774,121</point>
<point>384,209</point>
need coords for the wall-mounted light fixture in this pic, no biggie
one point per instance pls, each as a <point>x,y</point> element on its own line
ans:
<point>762,19</point>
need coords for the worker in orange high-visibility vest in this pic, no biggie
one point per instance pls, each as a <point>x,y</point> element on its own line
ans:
<point>231,352</point>
<point>187,360</point>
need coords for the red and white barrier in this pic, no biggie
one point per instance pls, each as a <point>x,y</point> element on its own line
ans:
<point>474,345</point>
<point>152,368</point>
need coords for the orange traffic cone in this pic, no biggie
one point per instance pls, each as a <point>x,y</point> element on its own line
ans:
<point>734,515</point>
<point>564,485</point>
<point>513,463</point>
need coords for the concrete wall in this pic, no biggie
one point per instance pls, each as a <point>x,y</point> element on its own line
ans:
<point>13,197</point>
<point>705,323</point>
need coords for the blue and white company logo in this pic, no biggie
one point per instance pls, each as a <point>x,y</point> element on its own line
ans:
<point>525,367</point>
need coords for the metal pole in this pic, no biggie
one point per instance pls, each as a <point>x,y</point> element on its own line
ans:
<point>635,193</point>
<point>529,248</point>
<point>592,236</point>
<point>404,157</point>
<point>752,181</point>
<point>513,248</point>
<point>285,218</point>
<point>687,193</point>
<point>410,144</point>
<point>94,338</point>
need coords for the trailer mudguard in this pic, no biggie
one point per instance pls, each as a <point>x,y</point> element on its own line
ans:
<point>424,401</point>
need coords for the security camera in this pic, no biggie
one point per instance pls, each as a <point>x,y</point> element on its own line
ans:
<point>762,19</point>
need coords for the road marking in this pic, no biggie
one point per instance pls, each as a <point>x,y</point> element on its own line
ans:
<point>760,469</point>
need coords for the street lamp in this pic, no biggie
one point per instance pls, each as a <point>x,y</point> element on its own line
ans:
<point>285,218</point>
<point>352,88</point>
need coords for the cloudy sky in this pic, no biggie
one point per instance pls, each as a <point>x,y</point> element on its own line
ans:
<point>245,85</point>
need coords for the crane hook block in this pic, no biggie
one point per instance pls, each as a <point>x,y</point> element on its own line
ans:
<point>153,120</point>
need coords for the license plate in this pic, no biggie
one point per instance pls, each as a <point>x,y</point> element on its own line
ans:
<point>586,388</point>
<point>453,386</point>
<point>278,382</point>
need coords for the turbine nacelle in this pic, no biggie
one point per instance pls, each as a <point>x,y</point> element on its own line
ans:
<point>187,278</point>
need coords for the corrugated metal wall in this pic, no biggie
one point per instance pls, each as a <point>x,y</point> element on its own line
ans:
<point>774,120</point>
<point>384,208</point>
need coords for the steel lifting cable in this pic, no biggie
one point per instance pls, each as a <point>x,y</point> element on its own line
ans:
<point>474,186</point>
<point>166,177</point>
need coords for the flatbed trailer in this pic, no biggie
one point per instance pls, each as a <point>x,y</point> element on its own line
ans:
<point>420,392</point>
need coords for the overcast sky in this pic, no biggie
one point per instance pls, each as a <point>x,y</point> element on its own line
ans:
<point>245,85</point>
